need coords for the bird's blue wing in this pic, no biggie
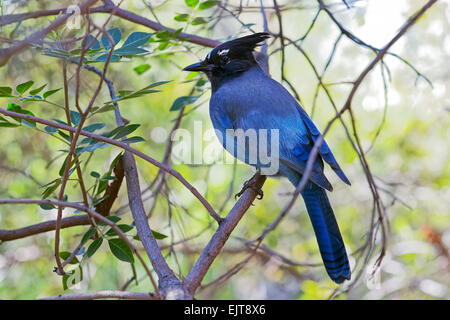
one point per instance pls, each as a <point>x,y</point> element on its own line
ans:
<point>324,150</point>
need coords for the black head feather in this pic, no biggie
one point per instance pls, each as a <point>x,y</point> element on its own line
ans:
<point>240,48</point>
<point>229,59</point>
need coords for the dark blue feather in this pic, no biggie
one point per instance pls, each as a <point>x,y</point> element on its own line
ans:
<point>327,232</point>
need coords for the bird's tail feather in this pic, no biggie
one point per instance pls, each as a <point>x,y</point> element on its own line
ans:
<point>327,232</point>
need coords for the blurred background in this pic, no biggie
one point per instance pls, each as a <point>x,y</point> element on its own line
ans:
<point>403,122</point>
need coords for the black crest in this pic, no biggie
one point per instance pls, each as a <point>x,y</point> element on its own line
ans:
<point>240,48</point>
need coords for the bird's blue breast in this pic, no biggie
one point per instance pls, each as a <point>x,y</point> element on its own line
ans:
<point>254,101</point>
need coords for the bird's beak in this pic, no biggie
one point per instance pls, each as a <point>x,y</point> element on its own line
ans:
<point>199,66</point>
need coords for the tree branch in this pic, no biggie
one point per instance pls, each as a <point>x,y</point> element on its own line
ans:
<point>38,35</point>
<point>212,250</point>
<point>9,235</point>
<point>93,213</point>
<point>122,13</point>
<point>104,295</point>
<point>124,146</point>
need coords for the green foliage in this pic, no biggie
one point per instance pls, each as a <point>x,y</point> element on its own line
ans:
<point>141,68</point>
<point>183,101</point>
<point>121,250</point>
<point>409,158</point>
<point>21,88</point>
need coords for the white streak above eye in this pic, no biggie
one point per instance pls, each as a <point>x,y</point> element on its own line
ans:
<point>223,52</point>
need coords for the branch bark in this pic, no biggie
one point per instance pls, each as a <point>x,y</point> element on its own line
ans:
<point>104,295</point>
<point>94,214</point>
<point>38,35</point>
<point>212,250</point>
<point>124,146</point>
<point>122,13</point>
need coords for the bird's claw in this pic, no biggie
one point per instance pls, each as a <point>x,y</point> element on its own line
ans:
<point>250,184</point>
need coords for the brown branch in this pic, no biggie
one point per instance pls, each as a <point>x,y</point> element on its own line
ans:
<point>103,208</point>
<point>73,143</point>
<point>124,146</point>
<point>9,235</point>
<point>93,213</point>
<point>168,282</point>
<point>357,83</point>
<point>38,35</point>
<point>112,190</point>
<point>124,14</point>
<point>212,250</point>
<point>105,294</point>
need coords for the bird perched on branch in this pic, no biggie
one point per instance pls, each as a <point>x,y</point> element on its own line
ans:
<point>245,99</point>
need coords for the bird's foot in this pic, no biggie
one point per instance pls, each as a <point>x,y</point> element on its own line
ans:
<point>251,183</point>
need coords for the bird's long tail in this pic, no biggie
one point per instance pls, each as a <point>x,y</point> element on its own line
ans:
<point>327,232</point>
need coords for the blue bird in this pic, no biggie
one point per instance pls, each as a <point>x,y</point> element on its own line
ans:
<point>245,97</point>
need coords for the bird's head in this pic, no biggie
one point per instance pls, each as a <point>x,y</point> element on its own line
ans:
<point>230,57</point>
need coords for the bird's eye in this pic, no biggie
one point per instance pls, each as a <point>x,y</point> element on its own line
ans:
<point>224,59</point>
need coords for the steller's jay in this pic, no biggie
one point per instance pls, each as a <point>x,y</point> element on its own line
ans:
<point>244,97</point>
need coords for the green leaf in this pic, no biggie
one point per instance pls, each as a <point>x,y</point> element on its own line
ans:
<point>142,68</point>
<point>158,235</point>
<point>63,167</point>
<point>87,236</point>
<point>75,117</point>
<point>50,129</point>
<point>47,206</point>
<point>16,108</point>
<point>99,200</point>
<point>104,57</point>
<point>91,148</point>
<point>108,178</point>
<point>21,88</point>
<point>6,92</point>
<point>50,92</point>
<point>8,125</point>
<point>36,91</point>
<point>121,250</point>
<point>65,255</point>
<point>95,174</point>
<point>106,108</point>
<point>117,130</point>
<point>181,17</point>
<point>183,101</point>
<point>93,247</point>
<point>191,3</point>
<point>133,139</point>
<point>123,227</point>
<point>92,43</point>
<point>177,32</point>
<point>87,140</point>
<point>137,39</point>
<point>198,20</point>
<point>48,184</point>
<point>125,130</point>
<point>115,34</point>
<point>163,34</point>
<point>64,135</point>
<point>130,51</point>
<point>207,4</point>
<point>94,127</point>
<point>138,93</point>
<point>47,192</point>
<point>60,121</point>
<point>114,219</point>
<point>71,278</point>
